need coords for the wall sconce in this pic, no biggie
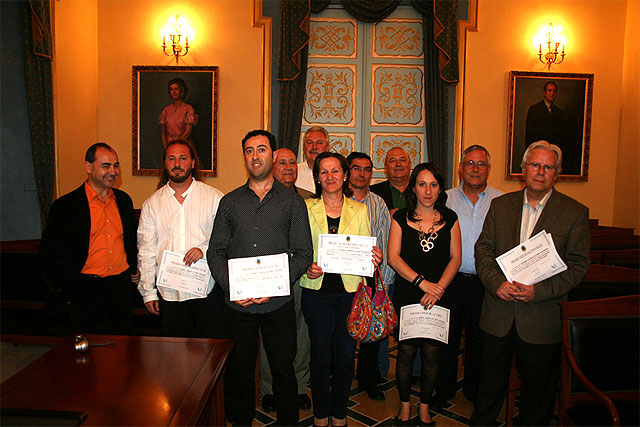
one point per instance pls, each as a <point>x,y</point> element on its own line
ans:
<point>175,30</point>
<point>551,43</point>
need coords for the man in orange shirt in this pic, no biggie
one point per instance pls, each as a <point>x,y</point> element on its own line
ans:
<point>88,248</point>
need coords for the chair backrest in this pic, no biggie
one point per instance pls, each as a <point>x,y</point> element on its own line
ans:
<point>603,336</point>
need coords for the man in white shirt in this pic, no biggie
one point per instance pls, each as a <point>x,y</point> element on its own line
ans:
<point>314,142</point>
<point>179,217</point>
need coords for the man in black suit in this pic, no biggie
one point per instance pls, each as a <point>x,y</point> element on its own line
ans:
<point>88,248</point>
<point>544,119</point>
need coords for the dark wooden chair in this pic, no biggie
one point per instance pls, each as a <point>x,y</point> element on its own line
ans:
<point>600,375</point>
<point>615,241</point>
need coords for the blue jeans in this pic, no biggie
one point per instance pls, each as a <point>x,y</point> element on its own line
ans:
<point>326,316</point>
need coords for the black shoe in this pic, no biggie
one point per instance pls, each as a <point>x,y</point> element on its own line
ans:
<point>303,401</point>
<point>439,401</point>
<point>400,423</point>
<point>374,392</point>
<point>269,403</point>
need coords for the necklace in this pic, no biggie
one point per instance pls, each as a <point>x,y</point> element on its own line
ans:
<point>335,207</point>
<point>427,241</point>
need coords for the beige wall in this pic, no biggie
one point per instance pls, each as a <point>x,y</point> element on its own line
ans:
<point>120,34</point>
<point>595,34</point>
<point>76,88</point>
<point>93,84</point>
<point>627,198</point>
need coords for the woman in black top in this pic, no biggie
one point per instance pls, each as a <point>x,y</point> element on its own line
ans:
<point>425,251</point>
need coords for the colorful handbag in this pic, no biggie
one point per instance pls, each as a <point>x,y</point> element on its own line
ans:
<point>371,320</point>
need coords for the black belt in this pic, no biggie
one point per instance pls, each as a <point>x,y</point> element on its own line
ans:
<point>95,276</point>
<point>467,275</point>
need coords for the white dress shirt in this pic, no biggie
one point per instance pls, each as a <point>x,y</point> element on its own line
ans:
<point>530,215</point>
<point>305,178</point>
<point>165,224</point>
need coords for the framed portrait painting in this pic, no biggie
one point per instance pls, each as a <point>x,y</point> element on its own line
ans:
<point>555,107</point>
<point>172,103</point>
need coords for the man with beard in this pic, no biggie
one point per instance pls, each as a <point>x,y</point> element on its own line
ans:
<point>179,217</point>
<point>261,218</point>
<point>314,142</point>
<point>398,167</point>
<point>88,248</point>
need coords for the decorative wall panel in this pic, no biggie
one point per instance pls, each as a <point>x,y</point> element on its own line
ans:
<point>398,39</point>
<point>330,98</point>
<point>383,142</point>
<point>397,95</point>
<point>333,38</point>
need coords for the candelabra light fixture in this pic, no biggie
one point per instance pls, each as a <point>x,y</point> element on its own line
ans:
<point>551,43</point>
<point>175,31</point>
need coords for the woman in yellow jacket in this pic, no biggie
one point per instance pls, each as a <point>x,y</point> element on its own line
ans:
<point>327,297</point>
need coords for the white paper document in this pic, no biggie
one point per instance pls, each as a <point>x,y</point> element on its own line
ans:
<point>532,261</point>
<point>416,321</point>
<point>174,274</point>
<point>259,277</point>
<point>346,254</point>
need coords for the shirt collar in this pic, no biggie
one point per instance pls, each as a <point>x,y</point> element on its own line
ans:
<point>541,203</point>
<point>364,198</point>
<point>186,192</point>
<point>92,194</point>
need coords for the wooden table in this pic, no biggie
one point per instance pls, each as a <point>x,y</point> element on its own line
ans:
<point>136,381</point>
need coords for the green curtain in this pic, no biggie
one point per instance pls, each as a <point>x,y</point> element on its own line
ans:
<point>441,62</point>
<point>38,54</point>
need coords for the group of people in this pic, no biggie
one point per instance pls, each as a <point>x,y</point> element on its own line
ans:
<point>433,247</point>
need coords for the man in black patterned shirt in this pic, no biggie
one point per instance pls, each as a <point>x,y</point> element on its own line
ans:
<point>261,218</point>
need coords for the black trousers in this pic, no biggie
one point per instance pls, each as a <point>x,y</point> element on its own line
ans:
<point>101,305</point>
<point>367,371</point>
<point>538,367</point>
<point>278,330</point>
<point>195,318</point>
<point>464,296</point>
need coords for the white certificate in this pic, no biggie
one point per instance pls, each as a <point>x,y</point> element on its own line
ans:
<point>259,277</point>
<point>174,274</point>
<point>346,254</point>
<point>532,261</point>
<point>416,321</point>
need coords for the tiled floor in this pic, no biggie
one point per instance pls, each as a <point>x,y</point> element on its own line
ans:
<point>363,411</point>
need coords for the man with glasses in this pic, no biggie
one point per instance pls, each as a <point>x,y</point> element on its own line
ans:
<point>520,317</point>
<point>368,371</point>
<point>471,201</point>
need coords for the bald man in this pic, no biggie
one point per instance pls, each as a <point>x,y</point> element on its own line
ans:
<point>398,167</point>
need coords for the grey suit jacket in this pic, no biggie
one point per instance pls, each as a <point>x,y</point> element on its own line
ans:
<point>567,221</point>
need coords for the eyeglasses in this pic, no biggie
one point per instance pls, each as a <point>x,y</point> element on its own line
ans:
<point>367,169</point>
<point>537,166</point>
<point>471,164</point>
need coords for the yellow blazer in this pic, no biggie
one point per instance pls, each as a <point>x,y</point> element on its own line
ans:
<point>353,220</point>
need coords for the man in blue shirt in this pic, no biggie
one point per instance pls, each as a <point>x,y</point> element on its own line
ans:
<point>471,201</point>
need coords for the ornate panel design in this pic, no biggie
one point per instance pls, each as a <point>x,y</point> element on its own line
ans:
<point>330,96</point>
<point>343,143</point>
<point>398,39</point>
<point>397,95</point>
<point>383,142</point>
<point>334,38</point>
